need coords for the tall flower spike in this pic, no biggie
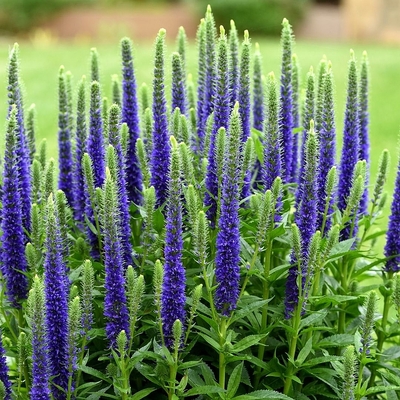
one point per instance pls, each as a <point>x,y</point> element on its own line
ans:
<point>94,65</point>
<point>70,100</point>
<point>272,148</point>
<point>244,104</point>
<point>392,247</point>
<point>31,131</point>
<point>23,160</point>
<point>182,44</point>
<point>363,115</point>
<point>130,115</point>
<point>296,117</point>
<point>286,101</point>
<point>350,149</point>
<point>36,311</point>
<point>233,64</point>
<point>95,141</point>
<point>258,91</point>
<point>178,84</point>
<point>349,374</point>
<point>221,120</point>
<point>306,215</point>
<point>211,64</point>
<point>13,250</point>
<point>104,114</point>
<point>228,238</point>
<point>115,308</point>
<point>191,99</point>
<point>56,301</point>
<point>115,141</point>
<point>74,332</point>
<point>258,106</point>
<point>327,149</point>
<point>305,219</point>
<point>161,148</point>
<point>368,323</point>
<point>320,94</point>
<point>87,294</point>
<point>173,288</point>
<point>308,115</point>
<point>64,140</point>
<point>91,209</point>
<point>80,148</point>
<point>201,87</point>
<point>116,90</point>
<point>244,87</point>
<point>4,373</point>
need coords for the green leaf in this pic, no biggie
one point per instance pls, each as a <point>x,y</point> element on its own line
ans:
<point>98,395</point>
<point>210,341</point>
<point>203,390</point>
<point>95,372</point>
<point>277,272</point>
<point>341,340</point>
<point>142,394</point>
<point>341,248</point>
<point>381,389</point>
<point>304,352</point>
<point>234,381</point>
<point>248,310</point>
<point>316,316</point>
<point>247,342</point>
<point>263,394</point>
<point>334,299</point>
<point>321,360</point>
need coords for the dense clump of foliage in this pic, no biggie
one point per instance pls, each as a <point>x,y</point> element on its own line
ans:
<point>211,247</point>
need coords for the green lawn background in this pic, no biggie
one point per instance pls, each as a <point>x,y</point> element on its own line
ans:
<point>40,63</point>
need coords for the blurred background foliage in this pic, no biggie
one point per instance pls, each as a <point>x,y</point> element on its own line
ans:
<point>258,16</point>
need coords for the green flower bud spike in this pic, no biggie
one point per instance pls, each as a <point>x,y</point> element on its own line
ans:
<point>349,374</point>
<point>116,90</point>
<point>36,179</point>
<point>43,153</point>
<point>143,161</point>
<point>31,130</point>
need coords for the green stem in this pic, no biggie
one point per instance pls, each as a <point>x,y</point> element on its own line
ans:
<point>382,332</point>
<point>173,369</point>
<point>222,363</point>
<point>209,292</point>
<point>264,316</point>
<point>343,264</point>
<point>82,352</point>
<point>290,370</point>
<point>360,374</point>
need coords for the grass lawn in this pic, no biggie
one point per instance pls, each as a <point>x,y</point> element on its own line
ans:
<point>40,63</point>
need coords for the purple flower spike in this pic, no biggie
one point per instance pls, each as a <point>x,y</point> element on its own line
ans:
<point>228,238</point>
<point>364,129</point>
<point>23,159</point>
<point>221,120</point>
<point>327,154</point>
<point>56,300</point>
<point>392,247</point>
<point>115,141</point>
<point>130,115</point>
<point>12,240</point>
<point>350,150</point>
<point>178,84</point>
<point>115,309</point>
<point>95,143</point>
<point>161,150</point>
<point>173,297</point>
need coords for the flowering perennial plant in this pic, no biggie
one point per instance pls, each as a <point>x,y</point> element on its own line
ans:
<point>199,245</point>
